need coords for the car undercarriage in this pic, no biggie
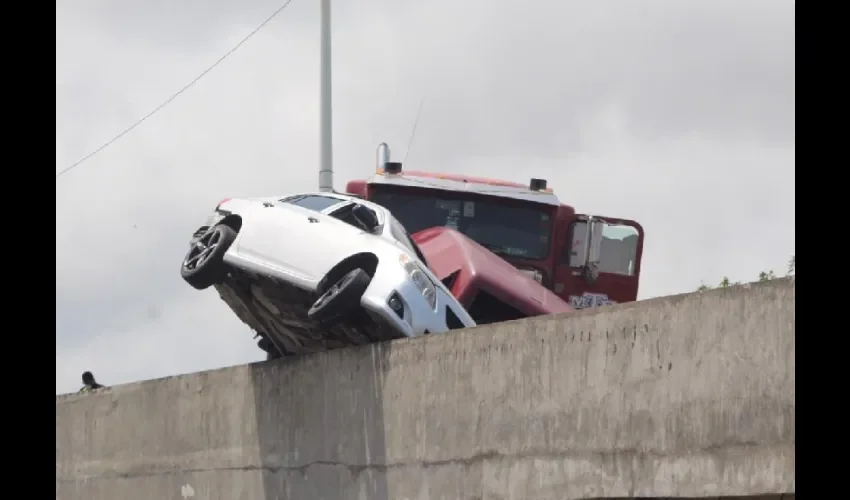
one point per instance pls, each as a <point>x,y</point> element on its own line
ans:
<point>277,312</point>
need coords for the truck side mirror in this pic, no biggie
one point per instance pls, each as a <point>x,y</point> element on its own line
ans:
<point>594,229</point>
<point>594,253</point>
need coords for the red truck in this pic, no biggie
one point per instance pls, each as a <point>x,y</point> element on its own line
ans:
<point>508,250</point>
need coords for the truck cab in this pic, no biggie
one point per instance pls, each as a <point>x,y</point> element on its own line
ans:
<point>585,260</point>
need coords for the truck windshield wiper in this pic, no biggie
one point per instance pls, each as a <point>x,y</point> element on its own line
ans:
<point>495,248</point>
<point>506,251</point>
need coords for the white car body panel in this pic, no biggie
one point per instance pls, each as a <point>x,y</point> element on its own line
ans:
<point>281,238</point>
<point>300,246</point>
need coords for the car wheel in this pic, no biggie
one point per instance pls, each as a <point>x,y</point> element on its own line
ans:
<point>341,298</point>
<point>271,351</point>
<point>204,265</point>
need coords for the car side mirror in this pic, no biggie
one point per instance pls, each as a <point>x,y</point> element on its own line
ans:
<point>366,216</point>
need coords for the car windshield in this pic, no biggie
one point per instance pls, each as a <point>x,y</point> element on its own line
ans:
<point>507,230</point>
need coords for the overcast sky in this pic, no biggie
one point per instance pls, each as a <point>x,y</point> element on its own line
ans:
<point>676,113</point>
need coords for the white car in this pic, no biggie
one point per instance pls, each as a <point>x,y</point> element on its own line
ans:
<point>314,271</point>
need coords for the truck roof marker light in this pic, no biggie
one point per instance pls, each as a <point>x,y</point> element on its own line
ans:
<point>222,202</point>
<point>379,171</point>
<point>392,167</point>
<point>537,184</point>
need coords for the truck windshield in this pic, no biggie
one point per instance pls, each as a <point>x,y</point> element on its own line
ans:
<point>503,229</point>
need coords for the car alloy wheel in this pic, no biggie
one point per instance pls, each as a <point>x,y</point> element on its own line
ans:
<point>201,250</point>
<point>333,291</point>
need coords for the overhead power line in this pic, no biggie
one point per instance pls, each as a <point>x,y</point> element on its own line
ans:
<point>176,94</point>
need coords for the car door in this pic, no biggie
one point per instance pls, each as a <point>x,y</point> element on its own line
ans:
<point>292,235</point>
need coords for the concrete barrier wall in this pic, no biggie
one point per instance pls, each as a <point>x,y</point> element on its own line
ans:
<point>691,395</point>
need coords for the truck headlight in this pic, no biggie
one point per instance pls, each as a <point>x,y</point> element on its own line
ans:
<point>420,279</point>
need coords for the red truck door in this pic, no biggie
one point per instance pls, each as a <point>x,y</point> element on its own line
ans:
<point>599,262</point>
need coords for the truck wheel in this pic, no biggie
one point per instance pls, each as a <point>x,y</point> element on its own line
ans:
<point>204,265</point>
<point>341,298</point>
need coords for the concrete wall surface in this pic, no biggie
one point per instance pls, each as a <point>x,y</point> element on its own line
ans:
<point>691,395</point>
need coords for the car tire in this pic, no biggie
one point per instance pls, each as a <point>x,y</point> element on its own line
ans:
<point>204,264</point>
<point>341,298</point>
<point>269,348</point>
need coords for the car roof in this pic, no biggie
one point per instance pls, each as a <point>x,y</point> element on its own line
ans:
<point>340,196</point>
<point>344,197</point>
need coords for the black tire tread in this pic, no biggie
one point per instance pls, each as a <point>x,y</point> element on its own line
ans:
<point>345,302</point>
<point>212,270</point>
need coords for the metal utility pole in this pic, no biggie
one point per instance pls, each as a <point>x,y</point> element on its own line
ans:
<point>326,175</point>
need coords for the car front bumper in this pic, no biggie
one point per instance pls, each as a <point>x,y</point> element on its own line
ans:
<point>418,317</point>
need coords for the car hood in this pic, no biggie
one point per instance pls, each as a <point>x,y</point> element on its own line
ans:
<point>449,251</point>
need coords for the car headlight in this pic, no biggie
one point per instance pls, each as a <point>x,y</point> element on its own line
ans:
<point>420,279</point>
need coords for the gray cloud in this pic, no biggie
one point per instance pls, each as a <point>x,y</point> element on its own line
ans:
<point>677,114</point>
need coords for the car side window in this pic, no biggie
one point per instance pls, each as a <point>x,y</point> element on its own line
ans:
<point>313,202</point>
<point>346,214</point>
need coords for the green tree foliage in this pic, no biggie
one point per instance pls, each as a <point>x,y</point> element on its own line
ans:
<point>763,276</point>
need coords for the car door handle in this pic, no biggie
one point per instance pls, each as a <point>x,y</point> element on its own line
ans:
<point>267,204</point>
<point>312,219</point>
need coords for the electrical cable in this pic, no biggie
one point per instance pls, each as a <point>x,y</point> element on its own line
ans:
<point>176,94</point>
